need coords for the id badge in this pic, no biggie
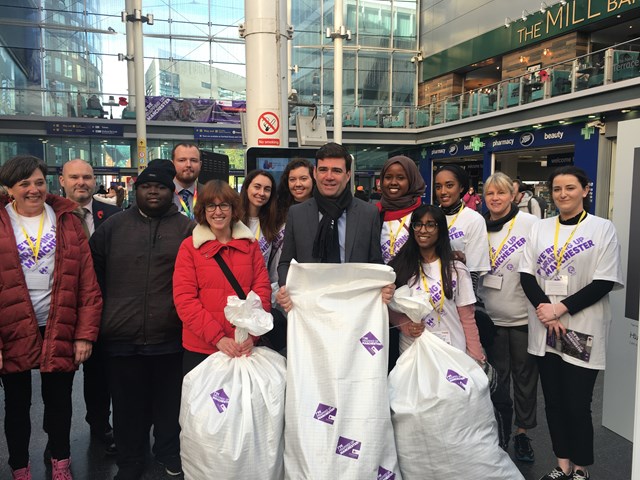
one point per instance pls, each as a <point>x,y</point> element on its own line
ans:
<point>443,335</point>
<point>492,281</point>
<point>37,281</point>
<point>557,286</point>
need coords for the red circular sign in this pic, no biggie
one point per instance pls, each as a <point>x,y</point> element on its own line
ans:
<point>268,123</point>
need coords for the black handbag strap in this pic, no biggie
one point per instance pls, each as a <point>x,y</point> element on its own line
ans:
<point>230,276</point>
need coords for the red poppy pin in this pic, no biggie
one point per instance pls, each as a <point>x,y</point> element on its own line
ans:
<point>100,214</point>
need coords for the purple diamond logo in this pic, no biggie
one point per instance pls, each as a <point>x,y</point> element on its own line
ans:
<point>384,474</point>
<point>325,413</point>
<point>571,270</point>
<point>371,343</point>
<point>220,400</point>
<point>454,377</point>
<point>348,448</point>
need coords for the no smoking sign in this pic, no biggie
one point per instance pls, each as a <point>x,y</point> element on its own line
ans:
<point>268,123</point>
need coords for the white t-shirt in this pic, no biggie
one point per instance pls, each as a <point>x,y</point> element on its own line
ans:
<point>395,234</point>
<point>38,275</point>
<point>445,324</point>
<point>507,306</point>
<point>592,254</point>
<point>468,234</point>
<point>265,246</point>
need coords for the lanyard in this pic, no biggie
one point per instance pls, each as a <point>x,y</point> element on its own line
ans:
<point>183,204</point>
<point>393,237</point>
<point>566,244</point>
<point>258,231</point>
<point>494,257</point>
<point>456,217</point>
<point>35,248</point>
<point>423,276</point>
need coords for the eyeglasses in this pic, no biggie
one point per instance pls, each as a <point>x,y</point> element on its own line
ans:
<point>429,226</point>
<point>211,207</point>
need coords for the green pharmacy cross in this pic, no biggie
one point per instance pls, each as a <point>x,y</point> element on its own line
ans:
<point>586,132</point>
<point>476,144</point>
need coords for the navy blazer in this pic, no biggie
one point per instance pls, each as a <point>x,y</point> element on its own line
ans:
<point>362,236</point>
<point>102,211</point>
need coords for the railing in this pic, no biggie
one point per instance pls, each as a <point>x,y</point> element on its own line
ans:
<point>604,67</point>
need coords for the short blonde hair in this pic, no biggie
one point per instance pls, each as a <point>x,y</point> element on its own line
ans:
<point>500,180</point>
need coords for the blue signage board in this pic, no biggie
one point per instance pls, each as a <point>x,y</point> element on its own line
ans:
<point>85,129</point>
<point>224,134</point>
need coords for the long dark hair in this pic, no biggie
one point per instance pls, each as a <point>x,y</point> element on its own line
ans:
<point>458,172</point>
<point>285,199</point>
<point>268,212</point>
<point>408,262</point>
<point>580,174</point>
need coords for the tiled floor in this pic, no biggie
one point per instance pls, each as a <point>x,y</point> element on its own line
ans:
<point>613,453</point>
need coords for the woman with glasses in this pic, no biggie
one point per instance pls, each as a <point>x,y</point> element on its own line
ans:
<point>200,288</point>
<point>426,265</point>
<point>508,229</point>
<point>259,206</point>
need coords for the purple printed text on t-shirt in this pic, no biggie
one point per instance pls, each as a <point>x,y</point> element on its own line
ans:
<point>547,263</point>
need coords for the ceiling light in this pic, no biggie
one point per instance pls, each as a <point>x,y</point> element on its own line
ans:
<point>562,121</point>
<point>525,14</point>
<point>592,116</point>
<point>563,2</point>
<point>507,22</point>
<point>543,7</point>
<point>626,110</point>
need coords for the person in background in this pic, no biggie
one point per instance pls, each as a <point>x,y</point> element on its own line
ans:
<point>331,227</point>
<point>115,196</point>
<point>187,162</point>
<point>426,264</point>
<point>79,182</point>
<point>508,229</point>
<point>134,255</point>
<point>361,193</point>
<point>258,205</point>
<point>570,264</point>
<point>200,287</point>
<point>524,199</point>
<point>402,187</point>
<point>50,304</point>
<point>472,200</point>
<point>101,190</point>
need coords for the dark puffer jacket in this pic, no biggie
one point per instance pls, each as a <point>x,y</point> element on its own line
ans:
<point>76,303</point>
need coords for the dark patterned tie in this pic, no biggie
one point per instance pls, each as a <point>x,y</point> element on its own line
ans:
<point>185,194</point>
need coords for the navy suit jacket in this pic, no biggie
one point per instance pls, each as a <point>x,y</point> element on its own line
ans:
<point>102,211</point>
<point>362,236</point>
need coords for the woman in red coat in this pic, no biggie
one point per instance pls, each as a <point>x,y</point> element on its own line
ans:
<point>200,288</point>
<point>50,304</point>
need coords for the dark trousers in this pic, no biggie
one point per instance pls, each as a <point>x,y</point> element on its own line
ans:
<point>146,391</point>
<point>56,396</point>
<point>191,360</point>
<point>96,391</point>
<point>508,355</point>
<point>568,391</point>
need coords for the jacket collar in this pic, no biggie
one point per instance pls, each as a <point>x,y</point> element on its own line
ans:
<point>203,234</point>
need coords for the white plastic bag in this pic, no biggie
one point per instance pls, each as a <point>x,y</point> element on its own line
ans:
<point>443,417</point>
<point>232,410</point>
<point>414,305</point>
<point>337,416</point>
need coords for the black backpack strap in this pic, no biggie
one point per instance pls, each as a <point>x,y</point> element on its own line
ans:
<point>230,276</point>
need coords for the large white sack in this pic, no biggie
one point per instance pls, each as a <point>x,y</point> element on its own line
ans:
<point>443,417</point>
<point>337,418</point>
<point>232,410</point>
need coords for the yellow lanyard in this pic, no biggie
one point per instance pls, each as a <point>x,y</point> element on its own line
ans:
<point>185,207</point>
<point>425,284</point>
<point>35,248</point>
<point>494,257</point>
<point>393,237</point>
<point>258,231</point>
<point>456,217</point>
<point>566,244</point>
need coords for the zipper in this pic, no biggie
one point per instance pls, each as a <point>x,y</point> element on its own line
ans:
<point>146,284</point>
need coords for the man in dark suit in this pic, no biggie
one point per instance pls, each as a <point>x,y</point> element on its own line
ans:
<point>79,184</point>
<point>332,226</point>
<point>186,160</point>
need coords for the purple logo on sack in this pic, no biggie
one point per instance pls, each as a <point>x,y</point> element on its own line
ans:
<point>325,413</point>
<point>348,448</point>
<point>371,343</point>
<point>384,474</point>
<point>454,377</point>
<point>220,400</point>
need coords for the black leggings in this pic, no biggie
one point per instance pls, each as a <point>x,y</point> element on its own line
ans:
<point>56,395</point>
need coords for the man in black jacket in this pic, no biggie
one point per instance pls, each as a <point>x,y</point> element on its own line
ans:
<point>79,184</point>
<point>134,255</point>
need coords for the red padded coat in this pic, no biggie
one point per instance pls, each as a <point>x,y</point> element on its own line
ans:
<point>76,303</point>
<point>200,289</point>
